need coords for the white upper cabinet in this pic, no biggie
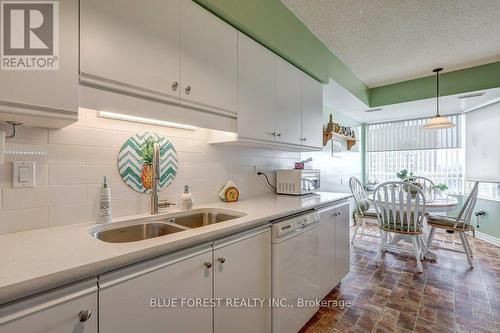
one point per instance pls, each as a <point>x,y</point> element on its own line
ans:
<point>312,112</point>
<point>208,60</point>
<point>256,91</point>
<point>46,98</point>
<point>278,105</point>
<point>288,102</point>
<point>131,47</point>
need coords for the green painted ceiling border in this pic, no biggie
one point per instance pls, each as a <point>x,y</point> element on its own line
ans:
<point>451,83</point>
<point>273,25</point>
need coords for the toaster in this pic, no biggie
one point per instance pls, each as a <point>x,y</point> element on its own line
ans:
<point>297,182</point>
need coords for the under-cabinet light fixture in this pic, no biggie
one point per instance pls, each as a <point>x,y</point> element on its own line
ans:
<point>478,94</point>
<point>126,117</point>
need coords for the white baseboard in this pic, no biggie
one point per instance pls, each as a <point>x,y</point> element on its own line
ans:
<point>488,238</point>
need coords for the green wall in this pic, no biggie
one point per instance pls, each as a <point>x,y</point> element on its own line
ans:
<point>491,222</point>
<point>456,82</point>
<point>273,25</point>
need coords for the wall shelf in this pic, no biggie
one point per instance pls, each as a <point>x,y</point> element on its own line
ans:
<point>332,135</point>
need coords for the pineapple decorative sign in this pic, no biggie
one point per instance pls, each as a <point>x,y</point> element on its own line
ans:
<point>136,157</point>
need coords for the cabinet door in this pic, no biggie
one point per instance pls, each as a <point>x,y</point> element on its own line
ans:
<point>256,90</point>
<point>142,298</point>
<point>46,97</point>
<point>342,243</point>
<point>208,60</point>
<point>327,246</point>
<point>288,102</point>
<point>131,47</point>
<point>68,309</point>
<point>242,270</point>
<point>312,112</point>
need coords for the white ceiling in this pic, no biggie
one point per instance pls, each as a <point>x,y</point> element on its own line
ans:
<point>341,100</point>
<point>388,41</point>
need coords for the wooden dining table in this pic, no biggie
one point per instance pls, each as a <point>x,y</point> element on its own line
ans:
<point>432,205</point>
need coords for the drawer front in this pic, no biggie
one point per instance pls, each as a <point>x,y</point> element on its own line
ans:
<point>65,310</point>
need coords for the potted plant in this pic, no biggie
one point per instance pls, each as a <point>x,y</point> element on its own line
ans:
<point>441,190</point>
<point>404,175</point>
<point>408,177</point>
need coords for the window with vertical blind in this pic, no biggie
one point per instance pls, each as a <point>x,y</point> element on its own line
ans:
<point>435,154</point>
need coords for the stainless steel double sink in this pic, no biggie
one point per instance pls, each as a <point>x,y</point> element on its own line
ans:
<point>162,225</point>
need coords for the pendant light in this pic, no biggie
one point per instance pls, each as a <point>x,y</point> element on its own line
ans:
<point>438,121</point>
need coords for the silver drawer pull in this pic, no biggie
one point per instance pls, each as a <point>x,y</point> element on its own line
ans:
<point>188,90</point>
<point>175,85</point>
<point>336,214</point>
<point>84,315</point>
<point>221,260</point>
<point>208,264</point>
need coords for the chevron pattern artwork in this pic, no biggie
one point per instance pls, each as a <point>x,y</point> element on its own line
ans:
<point>135,158</point>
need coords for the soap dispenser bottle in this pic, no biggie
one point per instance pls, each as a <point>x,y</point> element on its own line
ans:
<point>187,199</point>
<point>104,208</point>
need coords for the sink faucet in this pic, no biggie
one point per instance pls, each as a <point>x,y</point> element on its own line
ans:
<point>155,202</point>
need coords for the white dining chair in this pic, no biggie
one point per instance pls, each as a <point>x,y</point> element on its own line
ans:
<point>400,209</point>
<point>460,224</point>
<point>364,213</point>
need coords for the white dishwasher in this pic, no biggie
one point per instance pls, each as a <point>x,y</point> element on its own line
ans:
<point>295,271</point>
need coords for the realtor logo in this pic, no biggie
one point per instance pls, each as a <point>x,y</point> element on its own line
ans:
<point>29,35</point>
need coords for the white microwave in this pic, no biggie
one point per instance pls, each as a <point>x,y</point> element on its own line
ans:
<point>297,181</point>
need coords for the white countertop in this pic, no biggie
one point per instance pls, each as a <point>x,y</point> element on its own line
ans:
<point>39,260</point>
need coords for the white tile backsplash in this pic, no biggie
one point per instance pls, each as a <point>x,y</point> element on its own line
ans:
<point>24,219</point>
<point>78,156</point>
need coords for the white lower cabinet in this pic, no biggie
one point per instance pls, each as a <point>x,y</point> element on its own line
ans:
<point>327,274</point>
<point>64,310</point>
<point>342,242</point>
<point>160,295</point>
<point>242,270</point>
<point>140,298</point>
<point>333,247</point>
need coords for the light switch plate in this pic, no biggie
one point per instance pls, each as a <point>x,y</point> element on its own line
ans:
<point>23,174</point>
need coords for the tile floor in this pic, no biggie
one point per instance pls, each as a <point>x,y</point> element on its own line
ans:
<point>393,297</point>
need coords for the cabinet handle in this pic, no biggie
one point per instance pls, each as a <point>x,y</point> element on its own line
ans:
<point>336,214</point>
<point>273,133</point>
<point>221,260</point>
<point>175,85</point>
<point>188,90</point>
<point>303,139</point>
<point>278,134</point>
<point>84,315</point>
<point>208,264</point>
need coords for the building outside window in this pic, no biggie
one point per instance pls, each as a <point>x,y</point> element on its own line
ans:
<point>435,154</point>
